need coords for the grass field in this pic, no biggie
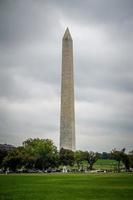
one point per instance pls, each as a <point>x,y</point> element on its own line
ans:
<point>66,187</point>
<point>106,164</point>
<point>103,164</point>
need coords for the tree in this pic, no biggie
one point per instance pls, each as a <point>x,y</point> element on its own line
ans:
<point>130,156</point>
<point>105,155</point>
<point>126,161</point>
<point>91,157</point>
<point>4,150</point>
<point>66,157</point>
<point>121,156</point>
<point>14,159</point>
<point>35,153</point>
<point>79,158</point>
<point>3,154</point>
<point>40,153</point>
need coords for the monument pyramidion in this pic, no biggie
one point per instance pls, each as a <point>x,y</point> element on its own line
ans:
<point>67,115</point>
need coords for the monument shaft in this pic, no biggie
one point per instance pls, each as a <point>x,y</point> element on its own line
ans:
<point>67,119</point>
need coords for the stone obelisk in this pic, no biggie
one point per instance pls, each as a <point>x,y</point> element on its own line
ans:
<point>67,118</point>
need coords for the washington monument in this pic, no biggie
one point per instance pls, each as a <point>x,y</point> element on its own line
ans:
<point>67,118</point>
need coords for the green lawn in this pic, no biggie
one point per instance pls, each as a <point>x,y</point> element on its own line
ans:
<point>66,187</point>
<point>106,164</point>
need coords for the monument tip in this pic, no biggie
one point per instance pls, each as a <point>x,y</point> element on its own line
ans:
<point>67,34</point>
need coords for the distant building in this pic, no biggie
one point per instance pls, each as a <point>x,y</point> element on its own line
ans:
<point>6,147</point>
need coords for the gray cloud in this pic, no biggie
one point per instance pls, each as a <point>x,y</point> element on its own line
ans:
<point>30,68</point>
<point>97,11</point>
<point>23,22</point>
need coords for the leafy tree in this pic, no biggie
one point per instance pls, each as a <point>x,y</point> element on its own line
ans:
<point>35,153</point>
<point>4,150</point>
<point>91,157</point>
<point>121,156</point>
<point>130,156</point>
<point>105,155</point>
<point>126,161</point>
<point>40,153</point>
<point>66,157</point>
<point>3,154</point>
<point>14,159</point>
<point>79,158</point>
<point>117,155</point>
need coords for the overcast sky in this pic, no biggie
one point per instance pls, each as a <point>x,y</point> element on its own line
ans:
<point>31,34</point>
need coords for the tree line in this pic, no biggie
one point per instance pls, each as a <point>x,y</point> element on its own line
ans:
<point>42,154</point>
